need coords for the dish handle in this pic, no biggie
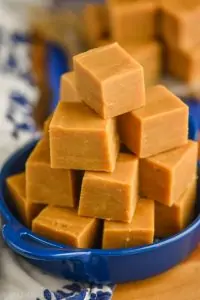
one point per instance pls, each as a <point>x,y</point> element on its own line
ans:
<point>22,241</point>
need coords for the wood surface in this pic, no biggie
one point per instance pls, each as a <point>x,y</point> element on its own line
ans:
<point>180,283</point>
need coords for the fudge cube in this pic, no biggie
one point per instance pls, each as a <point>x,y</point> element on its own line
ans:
<point>180,23</point>
<point>184,64</point>
<point>111,196</point>
<point>159,126</point>
<point>109,80</point>
<point>17,188</point>
<point>133,22</point>
<point>63,225</point>
<point>171,220</point>
<point>138,233</point>
<point>80,139</point>
<point>164,177</point>
<point>149,55</point>
<point>95,22</point>
<point>46,185</point>
<point>68,88</point>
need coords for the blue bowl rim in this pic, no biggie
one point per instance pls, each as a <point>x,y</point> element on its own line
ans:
<point>10,219</point>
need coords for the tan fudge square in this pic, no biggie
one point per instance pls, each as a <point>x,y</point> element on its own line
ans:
<point>171,220</point>
<point>65,226</point>
<point>165,177</point>
<point>146,131</point>
<point>149,55</point>
<point>184,64</point>
<point>95,22</point>
<point>17,188</point>
<point>111,196</point>
<point>68,88</point>
<point>81,140</point>
<point>139,232</point>
<point>46,185</point>
<point>133,22</point>
<point>180,23</point>
<point>109,80</point>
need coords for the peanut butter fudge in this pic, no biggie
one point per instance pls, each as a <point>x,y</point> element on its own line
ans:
<point>139,232</point>
<point>80,139</point>
<point>180,23</point>
<point>111,196</point>
<point>133,22</point>
<point>165,177</point>
<point>184,63</point>
<point>159,126</point>
<point>68,88</point>
<point>17,188</point>
<point>109,80</point>
<point>171,220</point>
<point>46,185</point>
<point>65,226</point>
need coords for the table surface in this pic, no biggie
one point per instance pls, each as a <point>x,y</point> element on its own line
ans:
<point>179,283</point>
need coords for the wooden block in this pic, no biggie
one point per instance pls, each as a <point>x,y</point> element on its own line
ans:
<point>65,226</point>
<point>46,185</point>
<point>68,88</point>
<point>180,23</point>
<point>95,22</point>
<point>149,55</point>
<point>164,177</point>
<point>145,131</point>
<point>17,187</point>
<point>80,139</point>
<point>180,283</point>
<point>184,64</point>
<point>111,196</point>
<point>109,80</point>
<point>138,233</point>
<point>171,220</point>
<point>133,22</point>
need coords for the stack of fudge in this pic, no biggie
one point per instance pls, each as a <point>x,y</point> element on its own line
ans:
<point>115,167</point>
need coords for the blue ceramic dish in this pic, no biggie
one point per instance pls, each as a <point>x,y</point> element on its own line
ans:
<point>97,266</point>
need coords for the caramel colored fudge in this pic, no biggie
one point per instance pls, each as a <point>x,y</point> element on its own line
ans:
<point>68,88</point>
<point>159,126</point>
<point>46,185</point>
<point>65,226</point>
<point>80,139</point>
<point>47,124</point>
<point>180,23</point>
<point>111,196</point>
<point>17,188</point>
<point>165,177</point>
<point>96,23</point>
<point>133,22</point>
<point>138,233</point>
<point>171,220</point>
<point>184,64</point>
<point>109,80</point>
<point>149,55</point>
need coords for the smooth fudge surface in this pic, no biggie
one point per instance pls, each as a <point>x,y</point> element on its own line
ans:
<point>138,233</point>
<point>146,131</point>
<point>180,23</point>
<point>133,22</point>
<point>63,225</point>
<point>46,185</point>
<point>17,187</point>
<point>164,177</point>
<point>111,196</point>
<point>184,64</point>
<point>80,139</point>
<point>171,220</point>
<point>109,80</point>
<point>149,55</point>
<point>68,88</point>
